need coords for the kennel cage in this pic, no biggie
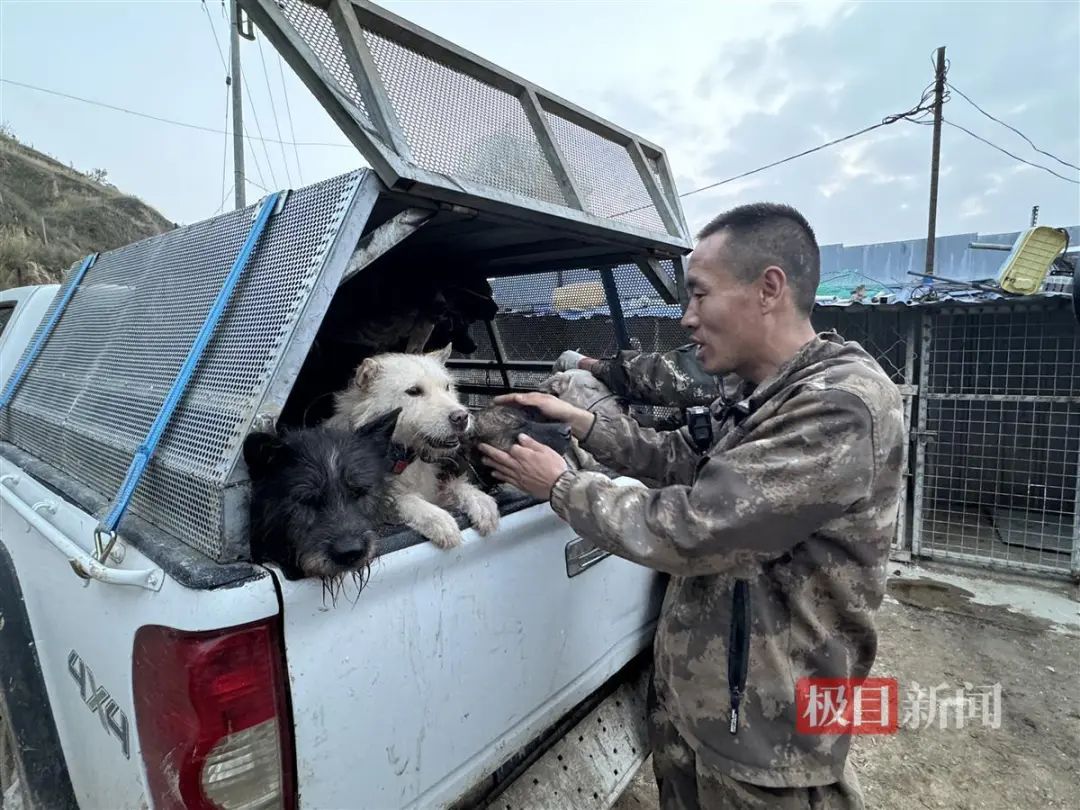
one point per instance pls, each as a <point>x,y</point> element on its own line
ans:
<point>997,469</point>
<point>473,170</point>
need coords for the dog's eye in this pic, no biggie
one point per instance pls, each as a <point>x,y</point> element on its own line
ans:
<point>448,386</point>
<point>415,391</point>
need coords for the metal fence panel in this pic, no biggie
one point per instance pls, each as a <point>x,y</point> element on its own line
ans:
<point>88,400</point>
<point>999,438</point>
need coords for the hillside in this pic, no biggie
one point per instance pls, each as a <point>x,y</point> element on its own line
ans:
<point>51,215</point>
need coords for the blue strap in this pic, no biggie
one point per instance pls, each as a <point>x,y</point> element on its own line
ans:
<point>187,371</point>
<point>43,336</point>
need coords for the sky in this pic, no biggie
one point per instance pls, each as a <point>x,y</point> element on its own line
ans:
<point>723,87</point>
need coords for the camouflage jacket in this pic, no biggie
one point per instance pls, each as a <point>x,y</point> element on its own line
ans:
<point>777,541</point>
<point>673,378</point>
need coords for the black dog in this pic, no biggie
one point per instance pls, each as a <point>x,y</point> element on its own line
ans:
<point>500,425</point>
<point>317,498</point>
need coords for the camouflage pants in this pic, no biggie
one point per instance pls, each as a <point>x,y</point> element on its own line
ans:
<point>686,784</point>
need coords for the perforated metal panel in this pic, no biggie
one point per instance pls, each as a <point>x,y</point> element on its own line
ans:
<point>317,30</point>
<point>607,178</point>
<point>457,125</point>
<point>445,123</point>
<point>93,392</point>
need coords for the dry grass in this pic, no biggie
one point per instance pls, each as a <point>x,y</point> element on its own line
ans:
<point>52,215</point>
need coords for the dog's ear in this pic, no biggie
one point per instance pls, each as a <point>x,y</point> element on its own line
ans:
<point>365,373</point>
<point>262,452</point>
<point>379,431</point>
<point>556,384</point>
<point>443,354</point>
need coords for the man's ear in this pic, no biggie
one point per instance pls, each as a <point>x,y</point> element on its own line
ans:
<point>773,284</point>
<point>263,452</point>
<point>365,373</point>
<point>443,354</point>
<point>379,431</point>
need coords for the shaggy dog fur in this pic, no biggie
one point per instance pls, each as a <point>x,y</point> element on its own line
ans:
<point>429,432</point>
<point>500,425</point>
<point>317,497</point>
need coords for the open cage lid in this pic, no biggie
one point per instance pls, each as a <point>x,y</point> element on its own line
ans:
<point>441,123</point>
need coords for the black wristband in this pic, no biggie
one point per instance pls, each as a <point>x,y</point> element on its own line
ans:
<point>588,432</point>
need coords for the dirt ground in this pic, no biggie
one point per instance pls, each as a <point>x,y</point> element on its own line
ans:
<point>933,633</point>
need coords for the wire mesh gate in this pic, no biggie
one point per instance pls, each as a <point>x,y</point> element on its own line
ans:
<point>998,439</point>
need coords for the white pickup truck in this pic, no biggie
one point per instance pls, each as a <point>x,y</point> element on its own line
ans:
<point>145,660</point>
<point>169,680</point>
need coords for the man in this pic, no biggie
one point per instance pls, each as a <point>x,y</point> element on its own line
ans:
<point>673,379</point>
<point>776,538</point>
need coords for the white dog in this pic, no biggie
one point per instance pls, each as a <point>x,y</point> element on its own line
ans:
<point>430,429</point>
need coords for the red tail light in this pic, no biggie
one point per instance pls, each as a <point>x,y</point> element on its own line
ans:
<point>213,722</point>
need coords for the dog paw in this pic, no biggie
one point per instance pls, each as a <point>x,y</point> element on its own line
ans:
<point>483,513</point>
<point>443,532</point>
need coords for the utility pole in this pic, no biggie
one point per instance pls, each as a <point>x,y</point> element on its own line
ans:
<point>935,159</point>
<point>237,106</point>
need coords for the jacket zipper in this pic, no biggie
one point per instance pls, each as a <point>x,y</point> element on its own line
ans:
<point>738,648</point>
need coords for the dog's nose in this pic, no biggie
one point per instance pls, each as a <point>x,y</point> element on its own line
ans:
<point>355,550</point>
<point>460,419</point>
<point>349,557</point>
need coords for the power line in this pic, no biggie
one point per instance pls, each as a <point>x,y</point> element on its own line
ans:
<point>225,152</point>
<point>1014,129</point>
<point>224,197</point>
<point>1010,154</point>
<point>228,81</point>
<point>159,119</point>
<point>254,115</point>
<point>916,113</point>
<point>288,110</point>
<point>273,111</point>
<point>783,160</point>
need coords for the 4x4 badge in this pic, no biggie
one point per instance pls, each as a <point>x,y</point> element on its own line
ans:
<point>99,701</point>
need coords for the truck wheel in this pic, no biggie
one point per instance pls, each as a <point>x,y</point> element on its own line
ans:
<point>10,770</point>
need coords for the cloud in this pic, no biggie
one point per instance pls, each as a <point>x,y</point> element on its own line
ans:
<point>972,207</point>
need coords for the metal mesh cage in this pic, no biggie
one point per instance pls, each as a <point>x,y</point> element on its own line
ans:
<point>454,126</point>
<point>93,392</point>
<point>457,125</point>
<point>543,314</point>
<point>999,430</point>
<point>606,176</point>
<point>315,26</point>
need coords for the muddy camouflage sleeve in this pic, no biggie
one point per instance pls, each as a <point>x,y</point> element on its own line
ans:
<point>807,465</point>
<point>656,457</point>
<point>671,378</point>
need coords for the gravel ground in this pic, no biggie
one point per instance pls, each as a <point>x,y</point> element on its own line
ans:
<point>935,634</point>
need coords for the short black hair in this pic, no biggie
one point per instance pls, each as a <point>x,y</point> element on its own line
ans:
<point>764,234</point>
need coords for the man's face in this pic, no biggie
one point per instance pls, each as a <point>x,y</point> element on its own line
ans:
<point>724,314</point>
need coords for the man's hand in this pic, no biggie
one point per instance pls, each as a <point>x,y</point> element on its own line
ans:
<point>568,360</point>
<point>579,419</point>
<point>530,466</point>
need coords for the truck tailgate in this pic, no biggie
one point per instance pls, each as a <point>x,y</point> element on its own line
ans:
<point>83,634</point>
<point>451,661</point>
